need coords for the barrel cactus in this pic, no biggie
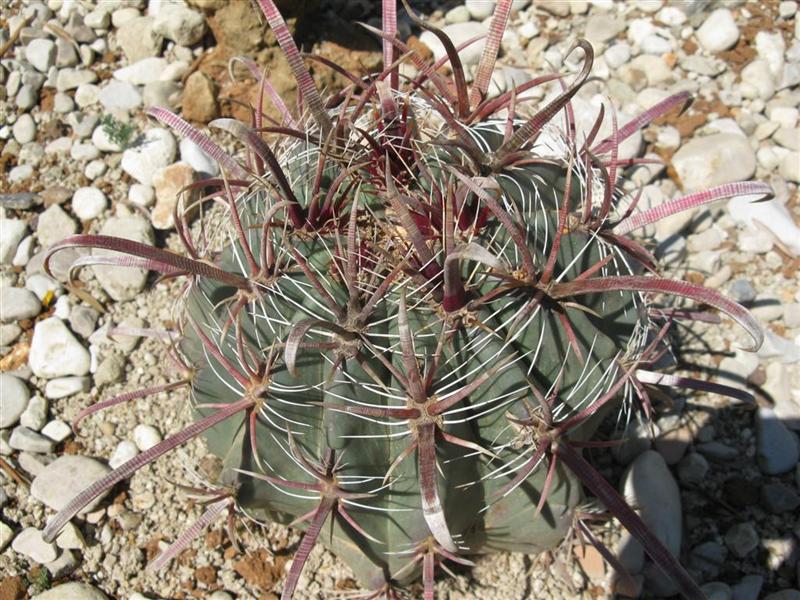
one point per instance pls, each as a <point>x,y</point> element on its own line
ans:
<point>421,309</point>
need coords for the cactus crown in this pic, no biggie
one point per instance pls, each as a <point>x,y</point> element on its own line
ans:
<point>424,305</point>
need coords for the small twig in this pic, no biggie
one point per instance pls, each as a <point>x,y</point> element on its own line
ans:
<point>14,36</point>
<point>13,473</point>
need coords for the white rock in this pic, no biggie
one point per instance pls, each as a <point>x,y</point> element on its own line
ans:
<point>11,233</point>
<point>57,430</point>
<point>719,31</point>
<point>24,252</point>
<point>24,129</point>
<point>84,151</point>
<point>155,151</point>
<point>146,436</point>
<point>120,95</point>
<point>770,214</point>
<point>480,9</point>
<point>778,448</point>
<point>55,352</point>
<point>62,387</point>
<point>639,29</point>
<point>459,33</point>
<point>54,225</point>
<point>35,416</point>
<point>28,440</point>
<point>95,169</point>
<point>771,48</point>
<point>180,24</point>
<point>70,538</point>
<point>672,16</point>
<point>124,452</point>
<point>6,535</point>
<point>123,283</point>
<point>778,347</point>
<point>41,53</point>
<point>65,477</point>
<point>790,167</point>
<point>17,304</point>
<point>102,141</point>
<point>42,285</point>
<point>30,543</point>
<point>757,82</point>
<point>86,94</point>
<point>138,39</point>
<point>783,116</point>
<point>70,79</point>
<point>656,44</point>
<point>88,203</point>
<point>13,399</point>
<point>713,160</point>
<point>143,71</point>
<point>72,591</point>
<point>649,486</point>
<point>603,28</point>
<point>200,162</point>
<point>141,195</point>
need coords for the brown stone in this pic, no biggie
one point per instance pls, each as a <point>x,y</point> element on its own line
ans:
<point>12,588</point>
<point>199,101</point>
<point>168,183</point>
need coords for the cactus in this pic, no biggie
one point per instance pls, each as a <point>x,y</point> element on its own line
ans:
<point>422,306</point>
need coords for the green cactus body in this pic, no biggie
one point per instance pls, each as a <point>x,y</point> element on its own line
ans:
<point>535,346</point>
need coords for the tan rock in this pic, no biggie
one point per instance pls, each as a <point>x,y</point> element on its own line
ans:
<point>168,182</point>
<point>200,98</point>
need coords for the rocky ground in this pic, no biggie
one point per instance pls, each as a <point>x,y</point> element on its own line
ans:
<point>718,478</point>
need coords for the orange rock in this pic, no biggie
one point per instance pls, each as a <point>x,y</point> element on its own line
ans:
<point>168,183</point>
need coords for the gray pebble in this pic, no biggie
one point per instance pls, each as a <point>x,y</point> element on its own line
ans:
<point>748,588</point>
<point>17,304</point>
<point>778,448</point>
<point>742,291</point>
<point>742,539</point>
<point>779,497</point>
<point>65,477</point>
<point>35,416</point>
<point>27,440</point>
<point>13,399</point>
<point>30,543</point>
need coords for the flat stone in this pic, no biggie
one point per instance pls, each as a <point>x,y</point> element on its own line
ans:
<point>65,478</point>
<point>180,24</point>
<point>138,39</point>
<point>88,203</point>
<point>6,535</point>
<point>123,283</point>
<point>649,486</point>
<point>742,539</point>
<point>13,399</point>
<point>714,160</point>
<point>124,451</point>
<point>70,79</point>
<point>143,71</point>
<point>168,183</point>
<point>72,591</point>
<point>55,352</point>
<point>120,95</point>
<point>57,430</point>
<point>17,304</point>
<point>779,498</point>
<point>63,387</point>
<point>54,225</point>
<point>155,151</point>
<point>62,566</point>
<point>719,31</point>
<point>27,440</point>
<point>748,588</point>
<point>11,233</point>
<point>70,538</point>
<point>35,415</point>
<point>778,448</point>
<point>30,543</point>
<point>146,436</point>
<point>41,53</point>
<point>693,468</point>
